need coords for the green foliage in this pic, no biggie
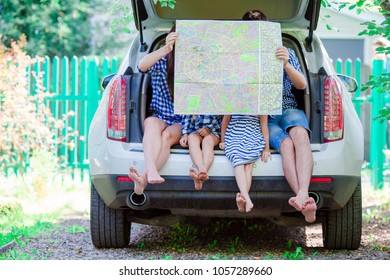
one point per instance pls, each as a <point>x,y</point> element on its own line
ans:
<point>297,254</point>
<point>373,28</point>
<point>26,226</point>
<point>123,17</point>
<point>26,123</point>
<point>76,229</point>
<point>166,3</point>
<point>51,27</point>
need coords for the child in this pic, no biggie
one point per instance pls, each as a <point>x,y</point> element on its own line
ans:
<point>163,128</point>
<point>197,131</point>
<point>245,138</point>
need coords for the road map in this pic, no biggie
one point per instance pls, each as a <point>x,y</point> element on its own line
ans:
<point>228,67</point>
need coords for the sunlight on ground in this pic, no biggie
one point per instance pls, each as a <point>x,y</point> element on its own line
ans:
<point>60,194</point>
<point>370,196</point>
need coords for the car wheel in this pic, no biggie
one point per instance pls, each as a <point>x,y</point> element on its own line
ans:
<point>342,229</point>
<point>109,227</point>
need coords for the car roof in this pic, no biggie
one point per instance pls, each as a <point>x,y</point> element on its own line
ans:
<point>290,13</point>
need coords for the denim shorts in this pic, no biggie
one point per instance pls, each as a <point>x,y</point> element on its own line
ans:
<point>280,124</point>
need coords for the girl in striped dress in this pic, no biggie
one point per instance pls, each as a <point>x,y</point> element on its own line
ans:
<point>245,138</point>
<point>200,131</point>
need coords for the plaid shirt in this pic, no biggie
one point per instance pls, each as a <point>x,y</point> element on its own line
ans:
<point>289,101</point>
<point>161,105</point>
<point>192,123</point>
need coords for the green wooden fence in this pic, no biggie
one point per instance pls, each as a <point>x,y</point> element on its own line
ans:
<point>76,85</point>
<point>377,162</point>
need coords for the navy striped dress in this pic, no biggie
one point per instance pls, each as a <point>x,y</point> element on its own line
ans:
<point>243,139</point>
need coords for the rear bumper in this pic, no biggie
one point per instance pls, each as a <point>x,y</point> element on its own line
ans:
<point>269,194</point>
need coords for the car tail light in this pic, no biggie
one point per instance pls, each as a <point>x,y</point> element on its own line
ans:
<point>321,180</point>
<point>116,113</point>
<point>333,111</point>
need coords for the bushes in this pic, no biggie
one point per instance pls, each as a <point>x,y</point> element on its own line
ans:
<point>26,123</point>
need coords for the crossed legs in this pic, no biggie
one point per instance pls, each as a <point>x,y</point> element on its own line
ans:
<point>297,161</point>
<point>157,142</point>
<point>201,157</point>
<point>243,174</point>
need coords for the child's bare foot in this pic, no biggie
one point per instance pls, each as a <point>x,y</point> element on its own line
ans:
<point>248,206</point>
<point>202,175</point>
<point>240,201</point>
<point>139,180</point>
<point>195,176</point>
<point>294,203</point>
<point>309,208</point>
<point>154,178</point>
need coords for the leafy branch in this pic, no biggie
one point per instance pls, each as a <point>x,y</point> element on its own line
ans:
<point>372,28</point>
<point>123,16</point>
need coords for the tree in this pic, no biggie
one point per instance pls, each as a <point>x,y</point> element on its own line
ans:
<point>51,27</point>
<point>373,28</point>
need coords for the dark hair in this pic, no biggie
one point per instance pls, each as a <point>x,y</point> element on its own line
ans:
<point>171,66</point>
<point>254,15</point>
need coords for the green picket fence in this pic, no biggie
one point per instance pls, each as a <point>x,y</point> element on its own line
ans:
<point>378,100</point>
<point>76,86</point>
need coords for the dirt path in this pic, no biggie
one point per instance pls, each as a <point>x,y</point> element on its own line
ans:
<point>264,241</point>
<point>70,240</point>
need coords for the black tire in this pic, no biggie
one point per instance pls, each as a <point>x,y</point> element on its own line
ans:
<point>109,227</point>
<point>342,229</point>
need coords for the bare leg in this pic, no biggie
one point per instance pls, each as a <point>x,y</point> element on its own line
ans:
<point>195,176</point>
<point>240,201</point>
<point>248,171</point>
<point>309,208</point>
<point>196,154</point>
<point>170,136</point>
<point>304,162</point>
<point>208,144</point>
<point>287,151</point>
<point>298,166</point>
<point>152,143</point>
<point>140,181</point>
<point>241,179</point>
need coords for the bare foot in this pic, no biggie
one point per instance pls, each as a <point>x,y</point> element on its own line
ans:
<point>249,206</point>
<point>154,178</point>
<point>309,208</point>
<point>202,175</point>
<point>240,201</point>
<point>139,180</point>
<point>195,176</point>
<point>294,203</point>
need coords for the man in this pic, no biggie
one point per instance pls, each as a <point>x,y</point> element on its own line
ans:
<point>290,133</point>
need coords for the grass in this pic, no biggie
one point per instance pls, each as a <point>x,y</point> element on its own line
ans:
<point>29,209</point>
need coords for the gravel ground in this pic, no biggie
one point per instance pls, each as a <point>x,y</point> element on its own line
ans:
<point>222,240</point>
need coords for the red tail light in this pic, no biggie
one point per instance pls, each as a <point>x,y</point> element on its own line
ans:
<point>333,111</point>
<point>116,114</point>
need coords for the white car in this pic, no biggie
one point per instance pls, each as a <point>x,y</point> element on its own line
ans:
<point>115,138</point>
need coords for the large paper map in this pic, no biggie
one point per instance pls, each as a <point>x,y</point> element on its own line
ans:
<point>228,67</point>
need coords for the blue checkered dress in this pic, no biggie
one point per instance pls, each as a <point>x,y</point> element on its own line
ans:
<point>192,123</point>
<point>289,101</point>
<point>161,105</point>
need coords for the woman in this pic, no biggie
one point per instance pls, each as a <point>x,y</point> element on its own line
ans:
<point>163,128</point>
